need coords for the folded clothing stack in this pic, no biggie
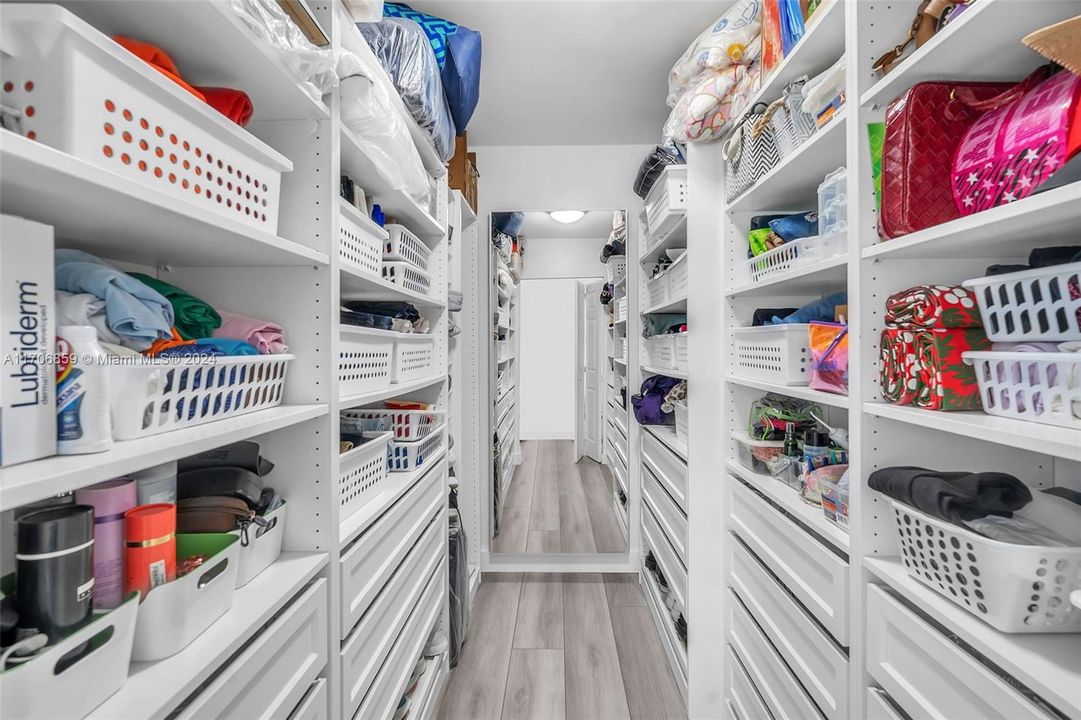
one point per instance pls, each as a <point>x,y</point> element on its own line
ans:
<point>663,324</point>
<point>400,317</point>
<point>928,329</point>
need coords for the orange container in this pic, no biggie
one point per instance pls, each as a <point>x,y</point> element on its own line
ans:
<point>150,547</point>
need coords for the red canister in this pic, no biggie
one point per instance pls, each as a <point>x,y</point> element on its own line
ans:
<point>150,547</point>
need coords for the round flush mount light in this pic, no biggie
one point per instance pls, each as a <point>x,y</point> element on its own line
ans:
<point>567,216</point>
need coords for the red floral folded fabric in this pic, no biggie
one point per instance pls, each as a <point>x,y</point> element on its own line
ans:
<point>944,381</point>
<point>895,358</point>
<point>933,306</point>
<point>233,104</point>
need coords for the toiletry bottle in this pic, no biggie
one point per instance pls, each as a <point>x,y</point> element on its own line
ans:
<point>791,445</point>
<point>82,392</point>
<point>815,444</point>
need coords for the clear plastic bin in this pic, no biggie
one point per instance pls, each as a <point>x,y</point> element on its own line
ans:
<point>753,454</point>
<point>833,202</point>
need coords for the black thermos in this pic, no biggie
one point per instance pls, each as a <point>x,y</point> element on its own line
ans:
<point>54,556</point>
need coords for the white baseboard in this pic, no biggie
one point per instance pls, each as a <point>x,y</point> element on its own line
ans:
<point>546,436</point>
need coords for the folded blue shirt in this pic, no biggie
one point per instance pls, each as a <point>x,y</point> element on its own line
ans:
<point>132,309</point>
<point>821,310</point>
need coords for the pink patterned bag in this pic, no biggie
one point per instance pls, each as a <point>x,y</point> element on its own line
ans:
<point>1010,151</point>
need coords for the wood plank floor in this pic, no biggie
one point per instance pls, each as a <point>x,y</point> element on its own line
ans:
<point>562,647</point>
<point>556,505</point>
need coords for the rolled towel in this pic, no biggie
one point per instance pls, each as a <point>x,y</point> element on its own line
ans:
<point>133,309</point>
<point>952,496</point>
<point>267,337</point>
<point>933,306</point>
<point>194,317</point>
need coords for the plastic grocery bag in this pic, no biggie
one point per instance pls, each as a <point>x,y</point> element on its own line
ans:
<point>721,45</point>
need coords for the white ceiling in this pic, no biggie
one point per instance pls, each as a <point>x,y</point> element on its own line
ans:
<point>589,72</point>
<point>595,224</point>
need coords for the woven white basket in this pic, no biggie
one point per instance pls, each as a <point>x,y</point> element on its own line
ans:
<point>773,353</point>
<point>1039,387</point>
<point>85,95</point>
<point>404,246</point>
<point>365,359</point>
<point>162,395</point>
<point>362,474</point>
<point>1038,304</point>
<point>1014,588</point>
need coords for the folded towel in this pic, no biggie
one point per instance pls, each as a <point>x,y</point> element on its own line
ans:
<point>953,496</point>
<point>266,336</point>
<point>925,368</point>
<point>133,310</point>
<point>821,310</point>
<point>933,306</point>
<point>194,317</point>
<point>233,104</point>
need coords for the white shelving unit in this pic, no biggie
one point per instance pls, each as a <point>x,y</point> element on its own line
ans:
<point>289,623</point>
<point>615,428</point>
<point>860,625</point>
<point>503,382</point>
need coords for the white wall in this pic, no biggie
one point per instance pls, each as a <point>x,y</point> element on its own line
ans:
<point>579,177</point>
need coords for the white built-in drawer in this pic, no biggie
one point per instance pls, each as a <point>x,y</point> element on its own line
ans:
<point>313,706</point>
<point>668,514</point>
<point>666,628</point>
<point>776,684</point>
<point>670,564</point>
<point>619,472</point>
<point>730,711</point>
<point>269,678</point>
<point>667,466</point>
<point>389,685</point>
<point>807,568</point>
<point>811,654</point>
<point>372,639</point>
<point>879,708</point>
<point>620,418</point>
<point>373,557</point>
<point>742,695</point>
<point>929,676</point>
<point>620,444</point>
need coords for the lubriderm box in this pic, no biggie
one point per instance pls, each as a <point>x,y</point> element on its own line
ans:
<point>27,341</point>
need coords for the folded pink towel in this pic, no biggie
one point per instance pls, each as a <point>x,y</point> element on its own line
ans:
<point>266,336</point>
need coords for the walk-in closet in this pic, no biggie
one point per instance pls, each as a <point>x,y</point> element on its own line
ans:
<point>372,360</point>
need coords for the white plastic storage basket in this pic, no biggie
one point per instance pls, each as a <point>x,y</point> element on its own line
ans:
<point>615,268</point>
<point>264,546</point>
<point>680,352</point>
<point>681,421</point>
<point>1039,387</point>
<point>773,353</point>
<point>404,424</point>
<point>657,290</point>
<point>161,395</point>
<point>795,254</point>
<point>1014,588</point>
<point>621,348</point>
<point>172,615</point>
<point>407,456</point>
<point>660,351</point>
<point>43,689</point>
<point>360,247</point>
<point>414,356</point>
<point>362,473</point>
<point>1039,304</point>
<point>666,202</point>
<point>678,275</point>
<point>505,350</point>
<point>83,94</point>
<point>407,276</point>
<point>621,310</point>
<point>365,359</point>
<point>404,246</point>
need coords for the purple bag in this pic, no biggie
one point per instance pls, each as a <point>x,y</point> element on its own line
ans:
<point>647,404</point>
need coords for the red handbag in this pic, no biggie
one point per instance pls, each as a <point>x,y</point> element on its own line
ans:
<point>923,129</point>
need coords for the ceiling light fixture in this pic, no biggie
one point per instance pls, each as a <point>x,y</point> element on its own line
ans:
<point>567,216</point>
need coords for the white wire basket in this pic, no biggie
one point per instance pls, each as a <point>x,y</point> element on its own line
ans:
<point>678,275</point>
<point>657,290</point>
<point>414,356</point>
<point>365,359</point>
<point>408,456</point>
<point>404,246</point>
<point>1014,588</point>
<point>615,268</point>
<point>1039,387</point>
<point>87,96</point>
<point>666,202</point>
<point>773,353</point>
<point>362,474</point>
<point>661,351</point>
<point>1038,304</point>
<point>404,424</point>
<point>358,247</point>
<point>162,395</point>
<point>795,254</point>
<point>407,276</point>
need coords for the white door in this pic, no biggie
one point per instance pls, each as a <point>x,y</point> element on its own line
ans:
<point>589,359</point>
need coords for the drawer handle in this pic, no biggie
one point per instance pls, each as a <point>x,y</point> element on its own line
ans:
<point>210,575</point>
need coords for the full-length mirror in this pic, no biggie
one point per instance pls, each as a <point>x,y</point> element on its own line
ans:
<point>558,357</point>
